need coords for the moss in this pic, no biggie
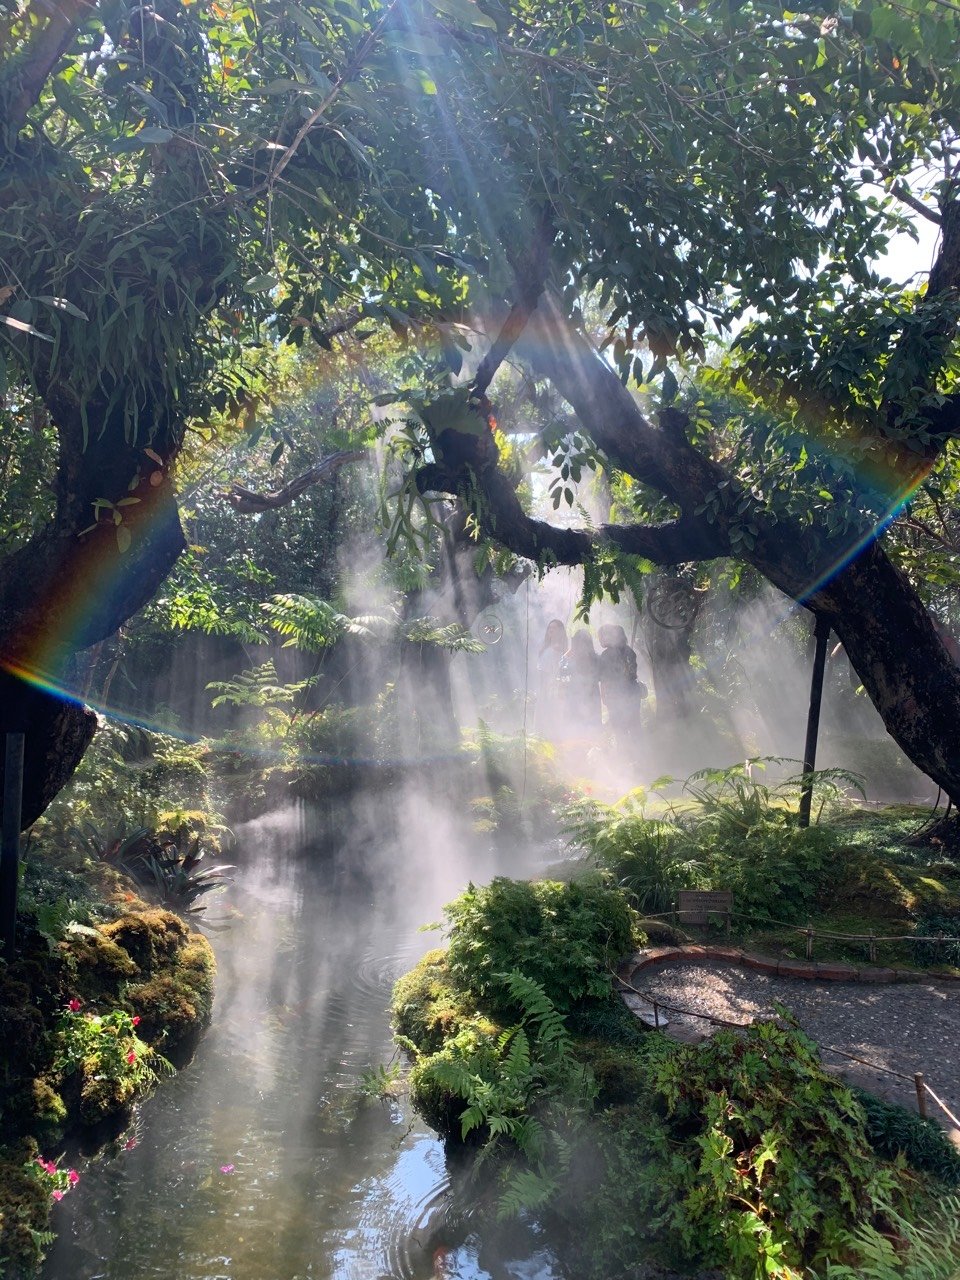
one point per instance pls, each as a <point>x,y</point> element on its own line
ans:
<point>426,1008</point>
<point>24,1206</point>
<point>439,1107</point>
<point>47,1105</point>
<point>103,1096</point>
<point>151,937</point>
<point>98,964</point>
<point>618,1072</point>
<point>23,1027</point>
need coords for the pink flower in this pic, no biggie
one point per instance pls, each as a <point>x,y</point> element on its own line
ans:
<point>57,1195</point>
<point>73,1177</point>
<point>131,1056</point>
<point>74,1005</point>
<point>129,1144</point>
<point>136,1019</point>
<point>47,1166</point>
<point>227,1168</point>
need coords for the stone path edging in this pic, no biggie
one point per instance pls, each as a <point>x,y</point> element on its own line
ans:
<point>829,970</point>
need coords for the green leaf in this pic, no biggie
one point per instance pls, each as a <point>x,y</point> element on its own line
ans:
<point>62,304</point>
<point>260,284</point>
<point>23,327</point>
<point>464,11</point>
<point>153,133</point>
<point>423,46</point>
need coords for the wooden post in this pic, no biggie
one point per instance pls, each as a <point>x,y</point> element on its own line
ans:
<point>872,949</point>
<point>10,841</point>
<point>921,1093</point>
<point>821,636</point>
<point>673,908</point>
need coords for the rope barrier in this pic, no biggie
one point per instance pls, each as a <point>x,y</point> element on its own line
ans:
<point>799,928</point>
<point>917,1078</point>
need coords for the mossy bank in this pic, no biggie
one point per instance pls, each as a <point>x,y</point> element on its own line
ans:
<point>90,1020</point>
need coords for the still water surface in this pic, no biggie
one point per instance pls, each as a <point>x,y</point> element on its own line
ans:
<point>259,1161</point>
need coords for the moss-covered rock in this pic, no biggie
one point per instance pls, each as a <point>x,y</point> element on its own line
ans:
<point>147,965</point>
<point>426,1008</point>
<point>24,1207</point>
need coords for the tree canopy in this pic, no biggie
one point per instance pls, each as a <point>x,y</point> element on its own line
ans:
<point>711,185</point>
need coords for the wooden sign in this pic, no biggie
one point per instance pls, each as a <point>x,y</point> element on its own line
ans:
<point>696,906</point>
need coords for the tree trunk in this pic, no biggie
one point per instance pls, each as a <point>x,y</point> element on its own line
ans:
<point>58,732</point>
<point>75,583</point>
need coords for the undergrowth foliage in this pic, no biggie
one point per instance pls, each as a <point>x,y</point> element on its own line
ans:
<point>728,830</point>
<point>565,937</point>
<point>742,1153</point>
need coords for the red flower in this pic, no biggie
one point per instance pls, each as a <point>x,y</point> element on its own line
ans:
<point>136,1019</point>
<point>131,1056</point>
<point>74,1005</point>
<point>73,1177</point>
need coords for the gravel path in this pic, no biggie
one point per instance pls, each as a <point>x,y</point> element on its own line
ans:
<point>907,1027</point>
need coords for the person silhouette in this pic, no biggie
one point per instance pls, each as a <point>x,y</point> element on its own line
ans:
<point>548,718</point>
<point>621,690</point>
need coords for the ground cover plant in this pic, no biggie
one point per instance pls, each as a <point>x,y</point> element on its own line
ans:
<point>854,870</point>
<point>521,1051</point>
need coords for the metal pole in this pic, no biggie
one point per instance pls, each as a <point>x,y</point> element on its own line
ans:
<point>821,635</point>
<point>10,841</point>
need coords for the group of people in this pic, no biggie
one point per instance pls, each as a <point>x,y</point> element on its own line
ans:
<point>576,682</point>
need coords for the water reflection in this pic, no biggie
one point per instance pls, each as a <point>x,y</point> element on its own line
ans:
<point>260,1161</point>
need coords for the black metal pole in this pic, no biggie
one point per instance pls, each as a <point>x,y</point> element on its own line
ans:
<point>10,841</point>
<point>821,635</point>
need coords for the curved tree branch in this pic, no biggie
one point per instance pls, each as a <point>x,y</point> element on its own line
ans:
<point>245,502</point>
<point>502,518</point>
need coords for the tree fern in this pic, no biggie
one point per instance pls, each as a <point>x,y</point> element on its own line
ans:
<point>312,624</point>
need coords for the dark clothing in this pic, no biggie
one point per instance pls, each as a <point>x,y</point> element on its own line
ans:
<point>622,691</point>
<point>580,682</point>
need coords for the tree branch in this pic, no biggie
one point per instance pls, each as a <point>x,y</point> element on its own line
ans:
<point>27,74</point>
<point>531,278</point>
<point>245,502</point>
<point>502,518</point>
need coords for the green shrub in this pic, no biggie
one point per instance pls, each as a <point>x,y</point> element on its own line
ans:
<point>567,937</point>
<point>733,832</point>
<point>775,870</point>
<point>924,1250</point>
<point>945,952</point>
<point>893,1130</point>
<point>748,1157</point>
<point>650,859</point>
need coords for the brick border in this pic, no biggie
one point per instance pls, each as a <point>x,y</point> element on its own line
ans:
<point>826,971</point>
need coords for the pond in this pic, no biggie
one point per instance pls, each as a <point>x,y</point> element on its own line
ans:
<point>260,1160</point>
